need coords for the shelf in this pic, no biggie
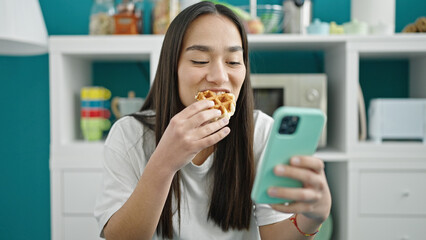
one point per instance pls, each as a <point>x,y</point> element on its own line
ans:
<point>128,46</point>
<point>119,47</point>
<point>331,155</point>
<point>71,57</point>
<point>396,43</point>
<point>394,149</point>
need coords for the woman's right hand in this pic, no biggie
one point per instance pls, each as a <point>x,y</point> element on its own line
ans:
<point>189,132</point>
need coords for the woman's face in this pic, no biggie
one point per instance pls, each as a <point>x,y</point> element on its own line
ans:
<point>211,58</point>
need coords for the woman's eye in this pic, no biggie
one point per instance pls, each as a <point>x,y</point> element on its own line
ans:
<point>234,63</point>
<point>199,62</point>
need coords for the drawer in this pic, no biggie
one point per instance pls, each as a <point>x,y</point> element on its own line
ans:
<point>389,228</point>
<point>80,190</point>
<point>80,228</point>
<point>392,192</point>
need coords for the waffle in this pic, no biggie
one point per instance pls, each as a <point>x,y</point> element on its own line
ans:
<point>225,102</point>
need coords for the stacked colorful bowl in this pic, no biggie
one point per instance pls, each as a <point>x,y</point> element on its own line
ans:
<point>95,112</point>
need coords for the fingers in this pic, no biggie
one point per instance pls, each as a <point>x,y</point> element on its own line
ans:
<point>295,194</point>
<point>313,163</point>
<point>214,138</point>
<point>306,176</point>
<point>204,117</point>
<point>314,199</point>
<point>212,127</point>
<point>194,123</point>
<point>195,108</point>
<point>309,171</point>
<point>294,207</point>
<point>199,113</point>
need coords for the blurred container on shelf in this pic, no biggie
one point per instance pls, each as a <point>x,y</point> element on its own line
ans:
<point>101,17</point>
<point>127,19</point>
<point>377,13</point>
<point>252,24</point>
<point>124,106</point>
<point>297,16</point>
<point>94,112</point>
<point>356,27</point>
<point>164,12</point>
<point>318,28</point>
<point>336,29</point>
<point>419,26</point>
<point>271,17</point>
<point>381,28</point>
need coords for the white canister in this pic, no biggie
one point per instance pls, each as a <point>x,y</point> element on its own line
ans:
<point>375,13</point>
<point>297,16</point>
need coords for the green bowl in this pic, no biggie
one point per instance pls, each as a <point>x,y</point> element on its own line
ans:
<point>271,15</point>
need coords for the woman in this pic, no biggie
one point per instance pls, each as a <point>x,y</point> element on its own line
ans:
<point>172,171</point>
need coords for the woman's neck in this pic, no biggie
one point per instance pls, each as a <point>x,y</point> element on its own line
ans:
<point>202,156</point>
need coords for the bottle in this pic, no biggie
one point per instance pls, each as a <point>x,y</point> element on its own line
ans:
<point>101,22</point>
<point>126,20</point>
<point>164,12</point>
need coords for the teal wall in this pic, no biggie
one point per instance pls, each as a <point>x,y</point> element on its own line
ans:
<point>24,97</point>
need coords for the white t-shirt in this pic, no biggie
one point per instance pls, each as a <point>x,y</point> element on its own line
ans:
<point>127,150</point>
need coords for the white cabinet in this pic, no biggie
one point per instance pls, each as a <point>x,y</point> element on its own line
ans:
<point>377,189</point>
<point>381,198</point>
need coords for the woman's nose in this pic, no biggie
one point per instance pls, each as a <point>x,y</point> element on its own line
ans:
<point>217,73</point>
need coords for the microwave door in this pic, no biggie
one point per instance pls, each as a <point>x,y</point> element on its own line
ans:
<point>268,99</point>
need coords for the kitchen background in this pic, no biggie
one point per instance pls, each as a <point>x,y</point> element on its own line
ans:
<point>24,94</point>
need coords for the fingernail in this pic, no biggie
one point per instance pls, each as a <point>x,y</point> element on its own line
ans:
<point>280,169</point>
<point>211,103</point>
<point>227,130</point>
<point>295,161</point>
<point>272,191</point>
<point>225,120</point>
<point>218,112</point>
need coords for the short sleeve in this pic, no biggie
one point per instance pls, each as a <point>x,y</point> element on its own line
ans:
<point>120,174</point>
<point>266,215</point>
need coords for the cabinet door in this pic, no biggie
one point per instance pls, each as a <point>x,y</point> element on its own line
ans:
<point>390,228</point>
<point>84,228</point>
<point>80,189</point>
<point>391,192</point>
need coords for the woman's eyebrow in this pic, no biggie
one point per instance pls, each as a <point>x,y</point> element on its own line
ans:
<point>201,48</point>
<point>204,48</point>
<point>235,49</point>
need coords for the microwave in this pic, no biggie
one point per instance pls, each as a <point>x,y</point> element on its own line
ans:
<point>297,90</point>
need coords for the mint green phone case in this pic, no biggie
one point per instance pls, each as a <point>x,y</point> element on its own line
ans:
<point>281,147</point>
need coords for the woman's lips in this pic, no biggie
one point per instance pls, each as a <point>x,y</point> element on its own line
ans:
<point>217,91</point>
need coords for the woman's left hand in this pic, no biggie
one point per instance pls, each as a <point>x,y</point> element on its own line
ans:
<point>314,199</point>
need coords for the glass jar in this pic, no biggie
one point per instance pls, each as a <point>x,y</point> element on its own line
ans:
<point>128,18</point>
<point>165,11</point>
<point>101,17</point>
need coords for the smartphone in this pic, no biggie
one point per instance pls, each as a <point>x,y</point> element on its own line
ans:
<point>296,131</point>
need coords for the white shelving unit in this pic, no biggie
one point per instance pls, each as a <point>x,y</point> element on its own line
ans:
<point>375,187</point>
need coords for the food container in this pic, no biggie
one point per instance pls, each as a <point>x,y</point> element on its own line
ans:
<point>318,28</point>
<point>124,106</point>
<point>94,112</point>
<point>164,12</point>
<point>356,27</point>
<point>101,20</point>
<point>128,19</point>
<point>297,16</point>
<point>270,16</point>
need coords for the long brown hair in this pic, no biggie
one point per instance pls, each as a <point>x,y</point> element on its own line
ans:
<point>233,166</point>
